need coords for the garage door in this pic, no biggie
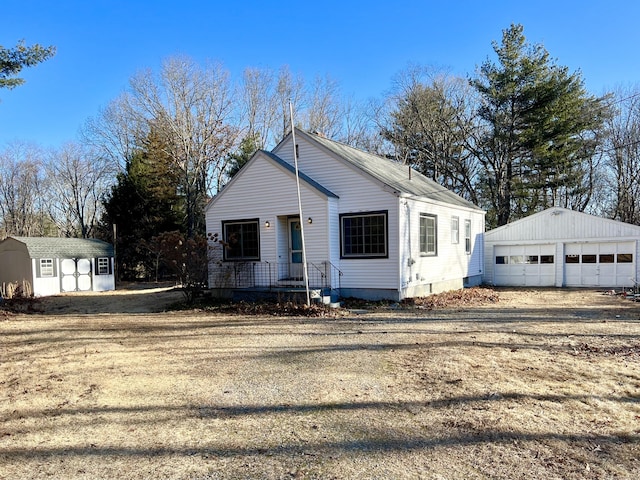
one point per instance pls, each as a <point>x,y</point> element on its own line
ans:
<point>524,265</point>
<point>599,264</point>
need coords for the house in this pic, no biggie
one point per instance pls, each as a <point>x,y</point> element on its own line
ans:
<point>373,228</point>
<point>54,265</point>
<point>563,248</point>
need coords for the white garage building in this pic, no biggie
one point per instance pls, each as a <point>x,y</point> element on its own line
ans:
<point>563,248</point>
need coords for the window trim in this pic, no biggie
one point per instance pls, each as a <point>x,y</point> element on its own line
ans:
<point>380,213</point>
<point>245,221</point>
<point>425,252</point>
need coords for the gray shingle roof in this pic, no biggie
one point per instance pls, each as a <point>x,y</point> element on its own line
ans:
<point>52,247</point>
<point>391,173</point>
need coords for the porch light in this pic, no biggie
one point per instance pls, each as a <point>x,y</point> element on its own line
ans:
<point>309,220</point>
<point>267,224</point>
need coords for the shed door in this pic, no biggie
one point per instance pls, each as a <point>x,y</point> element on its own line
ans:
<point>75,275</point>
<point>524,265</point>
<point>599,264</point>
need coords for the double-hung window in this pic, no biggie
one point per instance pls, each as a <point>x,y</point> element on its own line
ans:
<point>455,229</point>
<point>241,239</point>
<point>363,235</point>
<point>428,234</point>
<point>467,236</point>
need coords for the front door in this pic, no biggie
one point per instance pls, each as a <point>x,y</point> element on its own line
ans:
<point>295,249</point>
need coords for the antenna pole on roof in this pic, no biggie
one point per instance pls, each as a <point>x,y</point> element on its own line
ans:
<point>304,251</point>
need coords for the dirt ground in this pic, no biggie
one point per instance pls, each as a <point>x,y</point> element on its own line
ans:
<point>541,384</point>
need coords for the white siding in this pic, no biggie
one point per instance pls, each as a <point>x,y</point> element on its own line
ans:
<point>266,191</point>
<point>451,263</point>
<point>358,194</point>
<point>566,232</point>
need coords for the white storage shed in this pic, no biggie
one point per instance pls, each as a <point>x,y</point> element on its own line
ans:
<point>55,265</point>
<point>563,248</point>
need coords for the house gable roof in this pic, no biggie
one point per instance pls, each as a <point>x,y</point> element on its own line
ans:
<point>282,164</point>
<point>390,173</point>
<point>52,247</point>
<point>302,176</point>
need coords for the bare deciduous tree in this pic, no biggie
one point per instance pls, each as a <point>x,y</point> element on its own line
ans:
<point>623,156</point>
<point>21,187</point>
<point>78,179</point>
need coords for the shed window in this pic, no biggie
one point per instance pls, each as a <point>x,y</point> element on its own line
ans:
<point>241,239</point>
<point>428,234</point>
<point>363,235</point>
<point>103,265</point>
<point>46,267</point>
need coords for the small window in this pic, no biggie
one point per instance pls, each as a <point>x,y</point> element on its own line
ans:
<point>455,230</point>
<point>103,266</point>
<point>502,260</point>
<point>606,258</point>
<point>516,259</point>
<point>625,258</point>
<point>241,239</point>
<point>531,259</point>
<point>46,267</point>
<point>467,236</point>
<point>588,259</point>
<point>363,235</point>
<point>572,259</point>
<point>546,259</point>
<point>428,234</point>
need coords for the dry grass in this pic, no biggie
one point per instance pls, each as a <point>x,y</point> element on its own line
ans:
<point>542,384</point>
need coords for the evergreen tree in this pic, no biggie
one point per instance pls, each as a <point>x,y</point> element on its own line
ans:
<point>239,158</point>
<point>13,60</point>
<point>537,127</point>
<point>142,204</point>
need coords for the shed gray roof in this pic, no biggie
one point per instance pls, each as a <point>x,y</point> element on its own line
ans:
<point>391,173</point>
<point>53,247</point>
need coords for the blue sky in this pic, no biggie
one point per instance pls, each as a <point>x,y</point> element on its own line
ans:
<point>361,45</point>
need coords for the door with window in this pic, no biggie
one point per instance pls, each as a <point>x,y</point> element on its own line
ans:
<point>295,249</point>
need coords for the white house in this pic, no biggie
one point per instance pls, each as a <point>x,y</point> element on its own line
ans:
<point>55,265</point>
<point>563,248</point>
<point>373,228</point>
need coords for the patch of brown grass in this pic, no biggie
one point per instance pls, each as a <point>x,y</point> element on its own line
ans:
<point>517,391</point>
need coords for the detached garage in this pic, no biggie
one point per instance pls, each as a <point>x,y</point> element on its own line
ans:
<point>562,248</point>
